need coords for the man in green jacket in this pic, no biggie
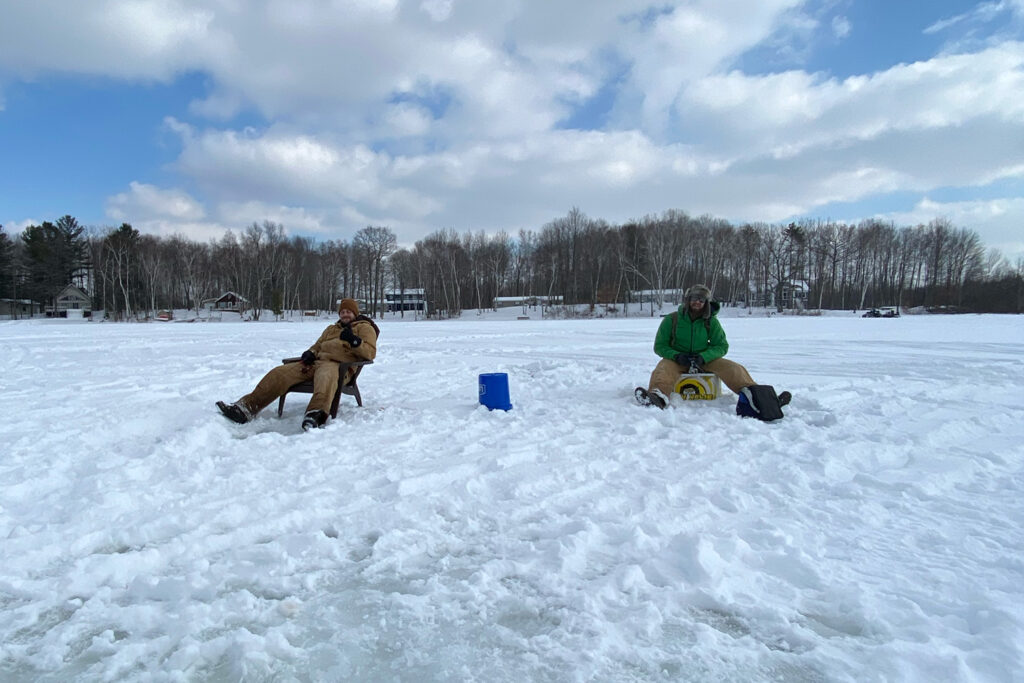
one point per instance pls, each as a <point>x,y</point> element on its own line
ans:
<point>692,340</point>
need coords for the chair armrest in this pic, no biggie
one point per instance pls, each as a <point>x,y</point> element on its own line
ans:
<point>344,367</point>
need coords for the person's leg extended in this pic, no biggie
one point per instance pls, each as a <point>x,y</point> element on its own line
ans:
<point>274,384</point>
<point>733,375</point>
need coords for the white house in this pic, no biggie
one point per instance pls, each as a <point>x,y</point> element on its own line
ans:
<point>228,301</point>
<point>71,302</point>
<point>660,295</point>
<point>406,300</point>
<point>529,300</point>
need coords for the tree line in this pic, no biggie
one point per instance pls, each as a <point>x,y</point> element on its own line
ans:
<point>574,260</point>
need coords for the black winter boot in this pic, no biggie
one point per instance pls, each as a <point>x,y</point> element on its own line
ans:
<point>233,412</point>
<point>314,419</point>
<point>648,398</point>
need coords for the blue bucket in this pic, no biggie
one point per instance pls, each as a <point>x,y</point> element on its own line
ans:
<point>494,391</point>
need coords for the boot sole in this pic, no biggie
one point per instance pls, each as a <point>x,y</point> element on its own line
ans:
<point>227,412</point>
<point>645,399</point>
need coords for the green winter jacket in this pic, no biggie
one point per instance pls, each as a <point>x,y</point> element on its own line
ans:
<point>703,336</point>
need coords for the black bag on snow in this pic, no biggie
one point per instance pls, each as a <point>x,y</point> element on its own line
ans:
<point>760,401</point>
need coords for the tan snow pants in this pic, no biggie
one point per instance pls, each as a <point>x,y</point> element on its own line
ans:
<point>666,374</point>
<point>276,382</point>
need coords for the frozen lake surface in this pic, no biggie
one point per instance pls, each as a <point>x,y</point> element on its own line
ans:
<point>875,534</point>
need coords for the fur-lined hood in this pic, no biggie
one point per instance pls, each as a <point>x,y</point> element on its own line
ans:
<point>711,309</point>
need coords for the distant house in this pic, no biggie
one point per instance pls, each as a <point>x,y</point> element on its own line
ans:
<point>228,301</point>
<point>529,300</point>
<point>406,300</point>
<point>794,294</point>
<point>790,294</point>
<point>71,299</point>
<point>18,308</point>
<point>651,295</point>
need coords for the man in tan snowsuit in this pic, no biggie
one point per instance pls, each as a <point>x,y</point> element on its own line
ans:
<point>352,338</point>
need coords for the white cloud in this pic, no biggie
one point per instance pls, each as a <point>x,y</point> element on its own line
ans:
<point>13,228</point>
<point>983,12</point>
<point>404,120</point>
<point>841,27</point>
<point>436,113</point>
<point>150,200</point>
<point>777,145</point>
<point>793,112</point>
<point>288,168</point>
<point>236,165</point>
<point>148,39</point>
<point>296,220</point>
<point>692,42</point>
<point>157,211</point>
<point>218,106</point>
<point>438,10</point>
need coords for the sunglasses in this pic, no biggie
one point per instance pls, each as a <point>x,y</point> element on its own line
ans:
<point>702,299</point>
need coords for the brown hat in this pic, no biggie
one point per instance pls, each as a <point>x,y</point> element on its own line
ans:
<point>350,304</point>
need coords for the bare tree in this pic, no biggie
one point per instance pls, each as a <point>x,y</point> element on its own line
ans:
<point>261,256</point>
<point>373,245</point>
<point>152,269</point>
<point>192,264</point>
<point>596,258</point>
<point>965,262</point>
<point>441,260</point>
<point>332,273</point>
<point>580,259</point>
<point>664,246</point>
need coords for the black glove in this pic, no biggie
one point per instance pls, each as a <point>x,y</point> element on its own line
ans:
<point>308,357</point>
<point>691,362</point>
<point>348,335</point>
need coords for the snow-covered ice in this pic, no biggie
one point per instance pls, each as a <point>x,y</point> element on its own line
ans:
<point>873,535</point>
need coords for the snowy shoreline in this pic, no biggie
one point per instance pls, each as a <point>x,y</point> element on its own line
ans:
<point>874,534</point>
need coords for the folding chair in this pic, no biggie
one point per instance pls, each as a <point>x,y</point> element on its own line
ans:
<point>351,388</point>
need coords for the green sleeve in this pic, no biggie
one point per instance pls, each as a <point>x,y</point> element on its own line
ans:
<point>661,340</point>
<point>719,345</point>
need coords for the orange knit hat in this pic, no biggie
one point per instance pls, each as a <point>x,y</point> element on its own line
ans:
<point>350,304</point>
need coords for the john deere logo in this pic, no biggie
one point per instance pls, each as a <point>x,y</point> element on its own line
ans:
<point>696,388</point>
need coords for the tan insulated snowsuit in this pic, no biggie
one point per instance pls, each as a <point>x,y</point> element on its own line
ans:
<point>330,351</point>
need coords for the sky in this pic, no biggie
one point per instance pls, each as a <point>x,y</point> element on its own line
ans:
<point>196,117</point>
